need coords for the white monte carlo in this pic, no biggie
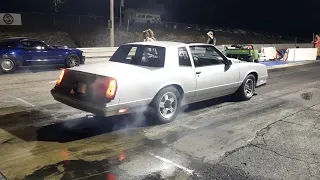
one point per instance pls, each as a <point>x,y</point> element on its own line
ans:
<point>159,75</point>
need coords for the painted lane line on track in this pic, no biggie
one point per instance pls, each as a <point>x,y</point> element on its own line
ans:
<point>24,101</point>
<point>174,164</point>
<point>51,82</point>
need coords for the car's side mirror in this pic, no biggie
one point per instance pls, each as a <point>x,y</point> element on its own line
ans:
<point>228,62</point>
<point>48,48</point>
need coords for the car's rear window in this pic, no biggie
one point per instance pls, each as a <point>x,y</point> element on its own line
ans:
<point>140,55</point>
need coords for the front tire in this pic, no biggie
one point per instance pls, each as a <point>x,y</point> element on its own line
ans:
<point>72,61</point>
<point>7,65</point>
<point>247,88</point>
<point>166,105</point>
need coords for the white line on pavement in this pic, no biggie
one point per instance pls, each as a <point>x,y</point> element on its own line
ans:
<point>21,100</point>
<point>24,101</point>
<point>51,82</point>
<point>174,164</point>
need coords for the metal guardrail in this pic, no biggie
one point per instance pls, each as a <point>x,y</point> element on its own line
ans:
<point>107,52</point>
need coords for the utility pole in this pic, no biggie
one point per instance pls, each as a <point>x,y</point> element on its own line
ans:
<point>121,6</point>
<point>112,23</point>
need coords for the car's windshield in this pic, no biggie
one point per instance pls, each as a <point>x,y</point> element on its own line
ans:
<point>141,55</point>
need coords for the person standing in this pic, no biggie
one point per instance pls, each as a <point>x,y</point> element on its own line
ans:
<point>145,35</point>
<point>211,38</point>
<point>316,43</point>
<point>151,34</point>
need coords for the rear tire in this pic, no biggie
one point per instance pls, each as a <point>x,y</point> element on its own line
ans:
<point>7,65</point>
<point>72,61</point>
<point>166,105</point>
<point>247,88</point>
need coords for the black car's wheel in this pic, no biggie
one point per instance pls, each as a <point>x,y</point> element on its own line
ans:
<point>7,65</point>
<point>72,60</point>
<point>166,105</point>
<point>247,88</point>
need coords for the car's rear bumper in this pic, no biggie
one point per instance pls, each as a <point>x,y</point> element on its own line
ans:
<point>85,106</point>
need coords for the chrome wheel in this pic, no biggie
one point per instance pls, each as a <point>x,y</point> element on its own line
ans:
<point>73,60</point>
<point>249,88</point>
<point>168,105</point>
<point>7,64</point>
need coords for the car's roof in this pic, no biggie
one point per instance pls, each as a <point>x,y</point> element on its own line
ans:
<point>18,39</point>
<point>160,43</point>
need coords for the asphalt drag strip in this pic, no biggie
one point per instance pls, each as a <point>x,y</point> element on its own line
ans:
<point>275,135</point>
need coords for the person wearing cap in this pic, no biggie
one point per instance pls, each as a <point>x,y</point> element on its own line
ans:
<point>211,38</point>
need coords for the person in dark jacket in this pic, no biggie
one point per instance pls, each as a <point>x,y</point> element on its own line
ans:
<point>211,38</point>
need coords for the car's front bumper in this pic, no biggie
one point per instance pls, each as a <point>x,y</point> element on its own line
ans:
<point>83,60</point>
<point>85,106</point>
<point>262,81</point>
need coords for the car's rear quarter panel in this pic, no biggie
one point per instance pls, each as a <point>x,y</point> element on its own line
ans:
<point>247,68</point>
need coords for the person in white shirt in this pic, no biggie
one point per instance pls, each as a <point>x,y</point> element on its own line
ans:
<point>211,38</point>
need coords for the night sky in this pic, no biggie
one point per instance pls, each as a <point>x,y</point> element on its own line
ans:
<point>293,18</point>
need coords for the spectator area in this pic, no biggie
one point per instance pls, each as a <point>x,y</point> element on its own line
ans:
<point>98,36</point>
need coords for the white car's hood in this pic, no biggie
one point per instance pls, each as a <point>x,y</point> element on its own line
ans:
<point>112,69</point>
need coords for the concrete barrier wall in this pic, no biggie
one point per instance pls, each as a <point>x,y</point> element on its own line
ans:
<point>278,46</point>
<point>269,52</point>
<point>103,52</point>
<point>302,54</point>
<point>282,46</point>
<point>99,52</point>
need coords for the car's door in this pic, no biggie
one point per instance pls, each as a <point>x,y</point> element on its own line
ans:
<point>187,74</point>
<point>214,77</point>
<point>40,53</point>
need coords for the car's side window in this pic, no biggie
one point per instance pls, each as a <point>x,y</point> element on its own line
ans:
<point>184,59</point>
<point>34,45</point>
<point>205,56</point>
<point>131,53</point>
<point>8,45</point>
<point>140,55</point>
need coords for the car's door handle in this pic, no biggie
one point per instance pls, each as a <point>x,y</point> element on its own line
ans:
<point>199,72</point>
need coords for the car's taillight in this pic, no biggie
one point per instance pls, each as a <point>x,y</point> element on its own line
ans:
<point>60,77</point>
<point>111,89</point>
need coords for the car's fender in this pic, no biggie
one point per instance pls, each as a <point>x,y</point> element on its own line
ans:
<point>245,68</point>
<point>74,51</point>
<point>170,83</point>
<point>14,54</point>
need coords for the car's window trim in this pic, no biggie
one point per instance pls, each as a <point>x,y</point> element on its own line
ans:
<point>209,65</point>
<point>214,48</point>
<point>29,48</point>
<point>190,59</point>
<point>137,46</point>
